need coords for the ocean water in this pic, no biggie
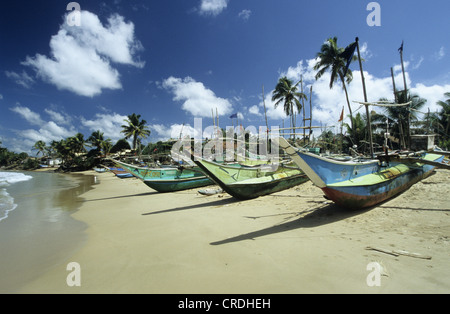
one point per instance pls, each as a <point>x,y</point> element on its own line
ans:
<point>36,228</point>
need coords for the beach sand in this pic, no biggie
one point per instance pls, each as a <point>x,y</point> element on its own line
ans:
<point>294,241</point>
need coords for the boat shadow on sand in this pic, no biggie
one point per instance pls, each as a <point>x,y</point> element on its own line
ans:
<point>221,202</point>
<point>318,214</point>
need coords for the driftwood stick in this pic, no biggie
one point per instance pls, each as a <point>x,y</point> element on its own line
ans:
<point>381,250</point>
<point>416,255</point>
<point>399,252</point>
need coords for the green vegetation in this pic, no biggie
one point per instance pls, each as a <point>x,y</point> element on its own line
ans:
<point>400,122</point>
<point>76,153</point>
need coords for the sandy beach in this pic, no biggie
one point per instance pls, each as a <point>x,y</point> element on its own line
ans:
<point>295,241</point>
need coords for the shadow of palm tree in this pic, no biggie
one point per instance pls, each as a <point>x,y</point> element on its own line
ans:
<point>317,215</point>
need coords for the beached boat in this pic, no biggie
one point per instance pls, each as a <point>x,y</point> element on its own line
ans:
<point>168,179</point>
<point>100,170</point>
<point>120,172</point>
<point>362,183</point>
<point>244,182</point>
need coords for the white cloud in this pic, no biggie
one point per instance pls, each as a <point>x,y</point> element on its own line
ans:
<point>60,118</point>
<point>254,110</point>
<point>432,94</point>
<point>32,117</point>
<point>173,131</point>
<point>46,131</point>
<point>212,7</point>
<point>22,79</point>
<point>81,55</point>
<point>197,99</point>
<point>245,14</point>
<point>328,103</point>
<point>109,124</point>
<point>418,64</point>
<point>440,54</point>
<point>365,52</point>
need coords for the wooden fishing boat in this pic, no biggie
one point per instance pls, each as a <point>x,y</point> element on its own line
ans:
<point>362,183</point>
<point>168,179</point>
<point>120,172</point>
<point>244,182</point>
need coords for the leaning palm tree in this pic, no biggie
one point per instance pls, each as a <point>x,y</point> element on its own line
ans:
<point>285,92</point>
<point>331,58</point>
<point>136,128</point>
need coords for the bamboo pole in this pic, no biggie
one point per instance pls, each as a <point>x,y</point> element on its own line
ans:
<point>406,96</point>
<point>310,114</point>
<point>265,115</point>
<point>369,125</point>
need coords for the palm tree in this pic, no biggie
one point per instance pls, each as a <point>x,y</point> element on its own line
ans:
<point>96,139</point>
<point>331,58</point>
<point>40,147</point>
<point>135,128</point>
<point>285,92</point>
<point>400,114</point>
<point>76,143</point>
<point>358,130</point>
<point>445,113</point>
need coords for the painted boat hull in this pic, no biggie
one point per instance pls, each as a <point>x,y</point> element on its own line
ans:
<point>371,195</point>
<point>363,184</point>
<point>173,185</point>
<point>169,179</point>
<point>248,183</point>
<point>245,191</point>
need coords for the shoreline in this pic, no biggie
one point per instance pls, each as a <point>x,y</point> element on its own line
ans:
<point>40,231</point>
<point>294,241</point>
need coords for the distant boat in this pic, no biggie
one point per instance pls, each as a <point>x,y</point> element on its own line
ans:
<point>168,179</point>
<point>244,182</point>
<point>120,172</point>
<point>362,183</point>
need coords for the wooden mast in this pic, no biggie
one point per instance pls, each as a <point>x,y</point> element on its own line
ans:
<point>369,125</point>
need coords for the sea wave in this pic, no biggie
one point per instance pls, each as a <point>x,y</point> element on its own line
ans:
<point>6,204</point>
<point>8,178</point>
<point>6,200</point>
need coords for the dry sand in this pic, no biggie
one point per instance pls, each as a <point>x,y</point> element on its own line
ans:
<point>295,241</point>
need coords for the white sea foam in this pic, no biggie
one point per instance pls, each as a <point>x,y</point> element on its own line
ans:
<point>6,200</point>
<point>8,178</point>
<point>6,204</point>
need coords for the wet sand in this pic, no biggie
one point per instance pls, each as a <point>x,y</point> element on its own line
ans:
<point>40,232</point>
<point>294,241</point>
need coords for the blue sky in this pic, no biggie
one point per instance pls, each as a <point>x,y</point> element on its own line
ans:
<point>172,61</point>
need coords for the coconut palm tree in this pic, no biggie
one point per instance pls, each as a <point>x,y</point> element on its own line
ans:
<point>40,147</point>
<point>96,139</point>
<point>285,92</point>
<point>399,115</point>
<point>331,58</point>
<point>445,113</point>
<point>76,143</point>
<point>135,128</point>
